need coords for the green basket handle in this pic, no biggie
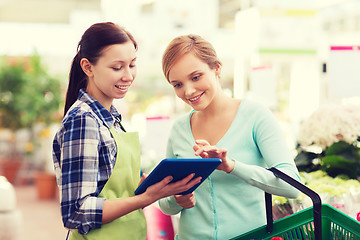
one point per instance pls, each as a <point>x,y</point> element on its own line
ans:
<point>307,191</point>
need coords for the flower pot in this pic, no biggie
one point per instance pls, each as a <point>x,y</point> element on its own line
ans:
<point>9,168</point>
<point>46,186</point>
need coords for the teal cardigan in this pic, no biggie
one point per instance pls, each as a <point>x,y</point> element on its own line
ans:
<point>228,205</point>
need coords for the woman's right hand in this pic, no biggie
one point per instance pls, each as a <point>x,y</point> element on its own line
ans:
<point>164,188</point>
<point>203,149</point>
<point>116,208</point>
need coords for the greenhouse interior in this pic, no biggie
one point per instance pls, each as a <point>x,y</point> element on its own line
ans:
<point>298,59</point>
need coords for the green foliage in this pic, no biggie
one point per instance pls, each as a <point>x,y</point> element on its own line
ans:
<point>336,165</point>
<point>342,158</point>
<point>339,159</point>
<point>28,94</point>
<point>306,161</point>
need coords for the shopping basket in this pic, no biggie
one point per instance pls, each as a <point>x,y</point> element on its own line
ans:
<point>321,221</point>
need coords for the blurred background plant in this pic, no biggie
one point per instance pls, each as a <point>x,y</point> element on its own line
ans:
<point>342,193</point>
<point>330,140</point>
<point>29,103</point>
<point>328,159</point>
<point>28,94</point>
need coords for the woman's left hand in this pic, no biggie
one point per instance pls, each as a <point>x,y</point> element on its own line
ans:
<point>203,149</point>
<point>186,201</point>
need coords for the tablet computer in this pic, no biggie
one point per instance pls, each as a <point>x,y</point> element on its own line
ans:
<point>179,168</point>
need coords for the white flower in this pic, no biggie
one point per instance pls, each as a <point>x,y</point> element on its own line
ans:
<point>330,124</point>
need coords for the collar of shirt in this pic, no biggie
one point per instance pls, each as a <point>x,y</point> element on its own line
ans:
<point>107,117</point>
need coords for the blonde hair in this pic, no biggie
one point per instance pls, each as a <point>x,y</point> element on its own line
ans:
<point>191,43</point>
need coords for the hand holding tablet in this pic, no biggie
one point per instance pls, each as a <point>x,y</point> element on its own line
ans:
<point>179,168</point>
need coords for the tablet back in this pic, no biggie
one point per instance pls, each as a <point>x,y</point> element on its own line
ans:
<point>179,168</point>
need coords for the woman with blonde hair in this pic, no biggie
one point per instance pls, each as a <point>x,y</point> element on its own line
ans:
<point>242,133</point>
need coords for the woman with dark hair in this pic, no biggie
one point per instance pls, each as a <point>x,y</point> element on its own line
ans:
<point>97,163</point>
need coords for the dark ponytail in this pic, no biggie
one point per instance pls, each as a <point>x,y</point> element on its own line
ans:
<point>93,41</point>
<point>77,80</point>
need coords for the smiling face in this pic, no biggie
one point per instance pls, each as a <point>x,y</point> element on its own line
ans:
<point>194,81</point>
<point>113,73</point>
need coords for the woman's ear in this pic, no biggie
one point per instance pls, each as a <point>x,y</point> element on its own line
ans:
<point>86,67</point>
<point>218,70</point>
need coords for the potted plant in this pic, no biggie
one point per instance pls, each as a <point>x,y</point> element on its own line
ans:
<point>29,102</point>
<point>329,156</point>
<point>329,140</point>
<point>12,77</point>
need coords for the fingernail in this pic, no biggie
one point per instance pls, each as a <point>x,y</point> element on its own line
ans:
<point>170,178</point>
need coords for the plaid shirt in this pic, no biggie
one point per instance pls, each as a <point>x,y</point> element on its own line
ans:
<point>84,154</point>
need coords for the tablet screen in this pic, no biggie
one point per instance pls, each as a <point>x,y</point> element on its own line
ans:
<point>179,168</point>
